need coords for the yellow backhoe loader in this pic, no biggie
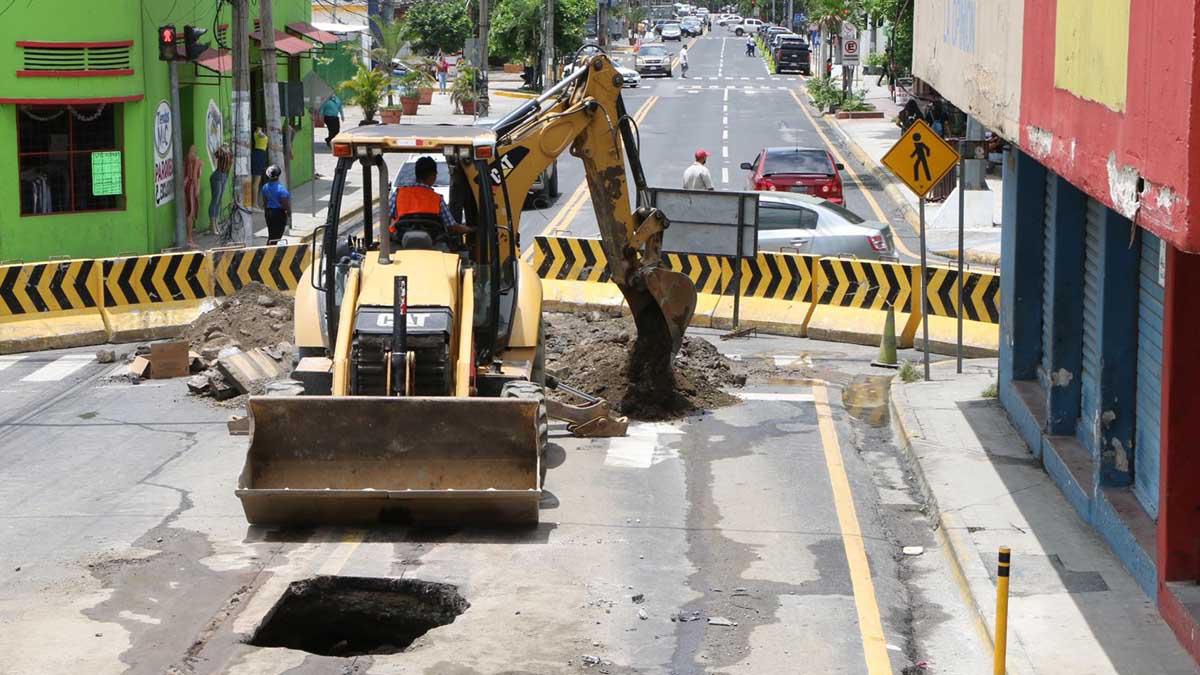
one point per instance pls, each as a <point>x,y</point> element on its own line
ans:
<point>424,351</point>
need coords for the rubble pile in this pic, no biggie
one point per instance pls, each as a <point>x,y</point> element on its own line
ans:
<point>243,343</point>
<point>591,351</point>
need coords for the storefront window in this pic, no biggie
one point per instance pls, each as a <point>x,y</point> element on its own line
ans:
<point>55,147</point>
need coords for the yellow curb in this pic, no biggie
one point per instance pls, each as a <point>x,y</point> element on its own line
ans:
<point>973,256</point>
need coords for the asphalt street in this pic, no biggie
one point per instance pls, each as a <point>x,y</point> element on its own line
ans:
<point>777,523</point>
<point>733,107</point>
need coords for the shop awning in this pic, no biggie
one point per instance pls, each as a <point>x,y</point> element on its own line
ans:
<point>218,61</point>
<point>312,33</point>
<point>285,43</point>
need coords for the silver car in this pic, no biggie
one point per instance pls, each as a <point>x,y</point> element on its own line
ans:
<point>798,223</point>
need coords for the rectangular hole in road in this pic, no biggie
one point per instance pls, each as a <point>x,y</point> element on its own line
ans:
<point>352,616</point>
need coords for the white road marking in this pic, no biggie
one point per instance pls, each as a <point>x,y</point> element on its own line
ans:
<point>638,449</point>
<point>760,78</point>
<point>745,78</point>
<point>724,174</point>
<point>724,117</point>
<point>713,86</point>
<point>772,396</point>
<point>726,97</point>
<point>7,361</point>
<point>724,134</point>
<point>59,368</point>
<point>724,150</point>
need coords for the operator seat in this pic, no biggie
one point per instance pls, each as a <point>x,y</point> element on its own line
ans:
<point>418,231</point>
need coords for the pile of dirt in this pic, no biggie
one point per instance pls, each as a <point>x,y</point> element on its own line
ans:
<point>255,316</point>
<point>594,352</point>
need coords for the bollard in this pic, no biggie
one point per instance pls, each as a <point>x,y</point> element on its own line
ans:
<point>1001,646</point>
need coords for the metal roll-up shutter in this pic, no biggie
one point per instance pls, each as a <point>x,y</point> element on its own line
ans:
<point>1149,375</point>
<point>1047,268</point>
<point>1089,413</point>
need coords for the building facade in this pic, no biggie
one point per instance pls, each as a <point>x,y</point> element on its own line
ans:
<point>1101,233</point>
<point>85,120</point>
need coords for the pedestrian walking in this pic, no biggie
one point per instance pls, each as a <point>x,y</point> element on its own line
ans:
<point>443,70</point>
<point>258,159</point>
<point>277,202</point>
<point>331,110</point>
<point>749,46</point>
<point>696,176</point>
<point>683,60</point>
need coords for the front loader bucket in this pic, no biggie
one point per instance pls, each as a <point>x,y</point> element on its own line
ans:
<point>316,460</point>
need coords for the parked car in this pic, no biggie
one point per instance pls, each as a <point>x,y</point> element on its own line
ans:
<point>747,26</point>
<point>769,34</point>
<point>793,55</point>
<point>775,39</point>
<point>805,224</point>
<point>800,170</point>
<point>672,31</point>
<point>658,24</point>
<point>653,59</point>
<point>729,20</point>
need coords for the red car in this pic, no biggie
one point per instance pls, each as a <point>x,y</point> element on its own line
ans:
<point>809,171</point>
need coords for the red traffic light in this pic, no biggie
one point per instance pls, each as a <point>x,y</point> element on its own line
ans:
<point>166,43</point>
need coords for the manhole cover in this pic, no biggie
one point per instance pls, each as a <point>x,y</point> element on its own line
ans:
<point>351,616</point>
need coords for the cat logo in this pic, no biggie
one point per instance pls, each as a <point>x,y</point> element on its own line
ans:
<point>414,320</point>
<point>505,163</point>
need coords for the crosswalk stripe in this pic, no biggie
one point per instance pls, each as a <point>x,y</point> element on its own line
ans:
<point>59,368</point>
<point>770,396</point>
<point>8,361</point>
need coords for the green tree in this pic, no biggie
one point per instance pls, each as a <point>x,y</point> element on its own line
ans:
<point>516,31</point>
<point>430,25</point>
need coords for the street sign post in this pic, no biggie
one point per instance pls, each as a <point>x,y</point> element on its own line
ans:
<point>921,159</point>
<point>850,52</point>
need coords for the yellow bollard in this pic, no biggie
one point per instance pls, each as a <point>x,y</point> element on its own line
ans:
<point>1001,646</point>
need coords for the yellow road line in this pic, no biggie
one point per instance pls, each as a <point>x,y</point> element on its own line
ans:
<point>879,214</point>
<point>341,555</point>
<point>869,624</point>
<point>562,220</point>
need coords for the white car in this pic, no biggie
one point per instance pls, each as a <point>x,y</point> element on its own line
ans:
<point>629,76</point>
<point>729,20</point>
<point>672,31</point>
<point>407,175</point>
<point>799,223</point>
<point>746,26</point>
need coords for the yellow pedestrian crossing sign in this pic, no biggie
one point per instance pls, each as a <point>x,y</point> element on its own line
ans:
<point>920,158</point>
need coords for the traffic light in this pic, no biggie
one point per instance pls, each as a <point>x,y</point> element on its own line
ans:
<point>192,47</point>
<point>166,43</point>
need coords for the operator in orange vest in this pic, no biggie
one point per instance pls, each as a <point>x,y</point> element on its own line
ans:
<point>421,198</point>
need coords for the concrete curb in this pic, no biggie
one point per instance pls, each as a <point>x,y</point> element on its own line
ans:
<point>891,185</point>
<point>506,93</point>
<point>973,256</point>
<point>965,564</point>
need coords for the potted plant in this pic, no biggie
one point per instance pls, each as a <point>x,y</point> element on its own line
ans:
<point>366,89</point>
<point>427,66</point>
<point>462,90</point>
<point>410,91</point>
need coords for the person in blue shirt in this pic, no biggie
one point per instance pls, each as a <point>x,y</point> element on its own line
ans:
<point>277,203</point>
<point>332,111</point>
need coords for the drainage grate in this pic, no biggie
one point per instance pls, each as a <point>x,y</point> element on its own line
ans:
<point>352,616</point>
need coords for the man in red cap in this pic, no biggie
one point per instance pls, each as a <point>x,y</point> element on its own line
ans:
<point>696,176</point>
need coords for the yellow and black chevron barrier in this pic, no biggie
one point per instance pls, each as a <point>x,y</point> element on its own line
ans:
<point>50,305</point>
<point>778,276</point>
<point>852,297</point>
<point>981,312</point>
<point>710,274</point>
<point>570,259</point>
<point>153,296</point>
<point>279,267</point>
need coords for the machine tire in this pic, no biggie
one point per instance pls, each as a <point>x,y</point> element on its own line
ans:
<point>554,180</point>
<point>537,373</point>
<point>525,389</point>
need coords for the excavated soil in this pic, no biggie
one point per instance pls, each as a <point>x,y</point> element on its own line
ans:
<point>255,316</point>
<point>594,352</point>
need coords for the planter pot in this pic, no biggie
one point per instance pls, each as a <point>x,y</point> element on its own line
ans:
<point>390,115</point>
<point>410,105</point>
<point>468,107</point>
<point>426,95</point>
<point>514,68</point>
<point>318,120</point>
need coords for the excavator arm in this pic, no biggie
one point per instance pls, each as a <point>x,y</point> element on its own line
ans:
<point>585,113</point>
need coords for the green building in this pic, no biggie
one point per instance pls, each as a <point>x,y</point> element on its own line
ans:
<point>85,115</point>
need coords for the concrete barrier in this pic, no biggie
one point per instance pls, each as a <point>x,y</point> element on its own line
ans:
<point>280,267</point>
<point>154,296</point>
<point>852,297</point>
<point>981,312</point>
<point>50,305</point>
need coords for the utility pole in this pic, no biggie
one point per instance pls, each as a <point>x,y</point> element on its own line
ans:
<point>177,154</point>
<point>241,121</point>
<point>548,47</point>
<point>790,15</point>
<point>485,23</point>
<point>602,24</point>
<point>266,20</point>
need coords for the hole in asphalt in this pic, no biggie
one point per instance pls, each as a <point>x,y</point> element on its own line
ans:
<point>866,398</point>
<point>353,616</point>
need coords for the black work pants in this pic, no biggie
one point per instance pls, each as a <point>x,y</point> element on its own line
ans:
<point>276,224</point>
<point>334,125</point>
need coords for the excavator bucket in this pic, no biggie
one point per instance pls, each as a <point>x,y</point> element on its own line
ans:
<point>675,296</point>
<point>317,460</point>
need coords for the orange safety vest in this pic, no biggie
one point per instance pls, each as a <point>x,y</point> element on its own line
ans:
<point>412,199</point>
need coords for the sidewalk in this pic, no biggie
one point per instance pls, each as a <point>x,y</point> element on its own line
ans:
<point>870,139</point>
<point>310,201</point>
<point>1073,607</point>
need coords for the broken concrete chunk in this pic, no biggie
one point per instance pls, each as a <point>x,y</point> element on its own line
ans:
<point>720,621</point>
<point>643,615</point>
<point>106,356</point>
<point>913,550</point>
<point>140,367</point>
<point>638,599</point>
<point>238,425</point>
<point>285,388</point>
<point>244,369</point>
<point>198,384</point>
<point>277,313</point>
<point>265,300</point>
<point>169,359</point>
<point>589,660</point>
